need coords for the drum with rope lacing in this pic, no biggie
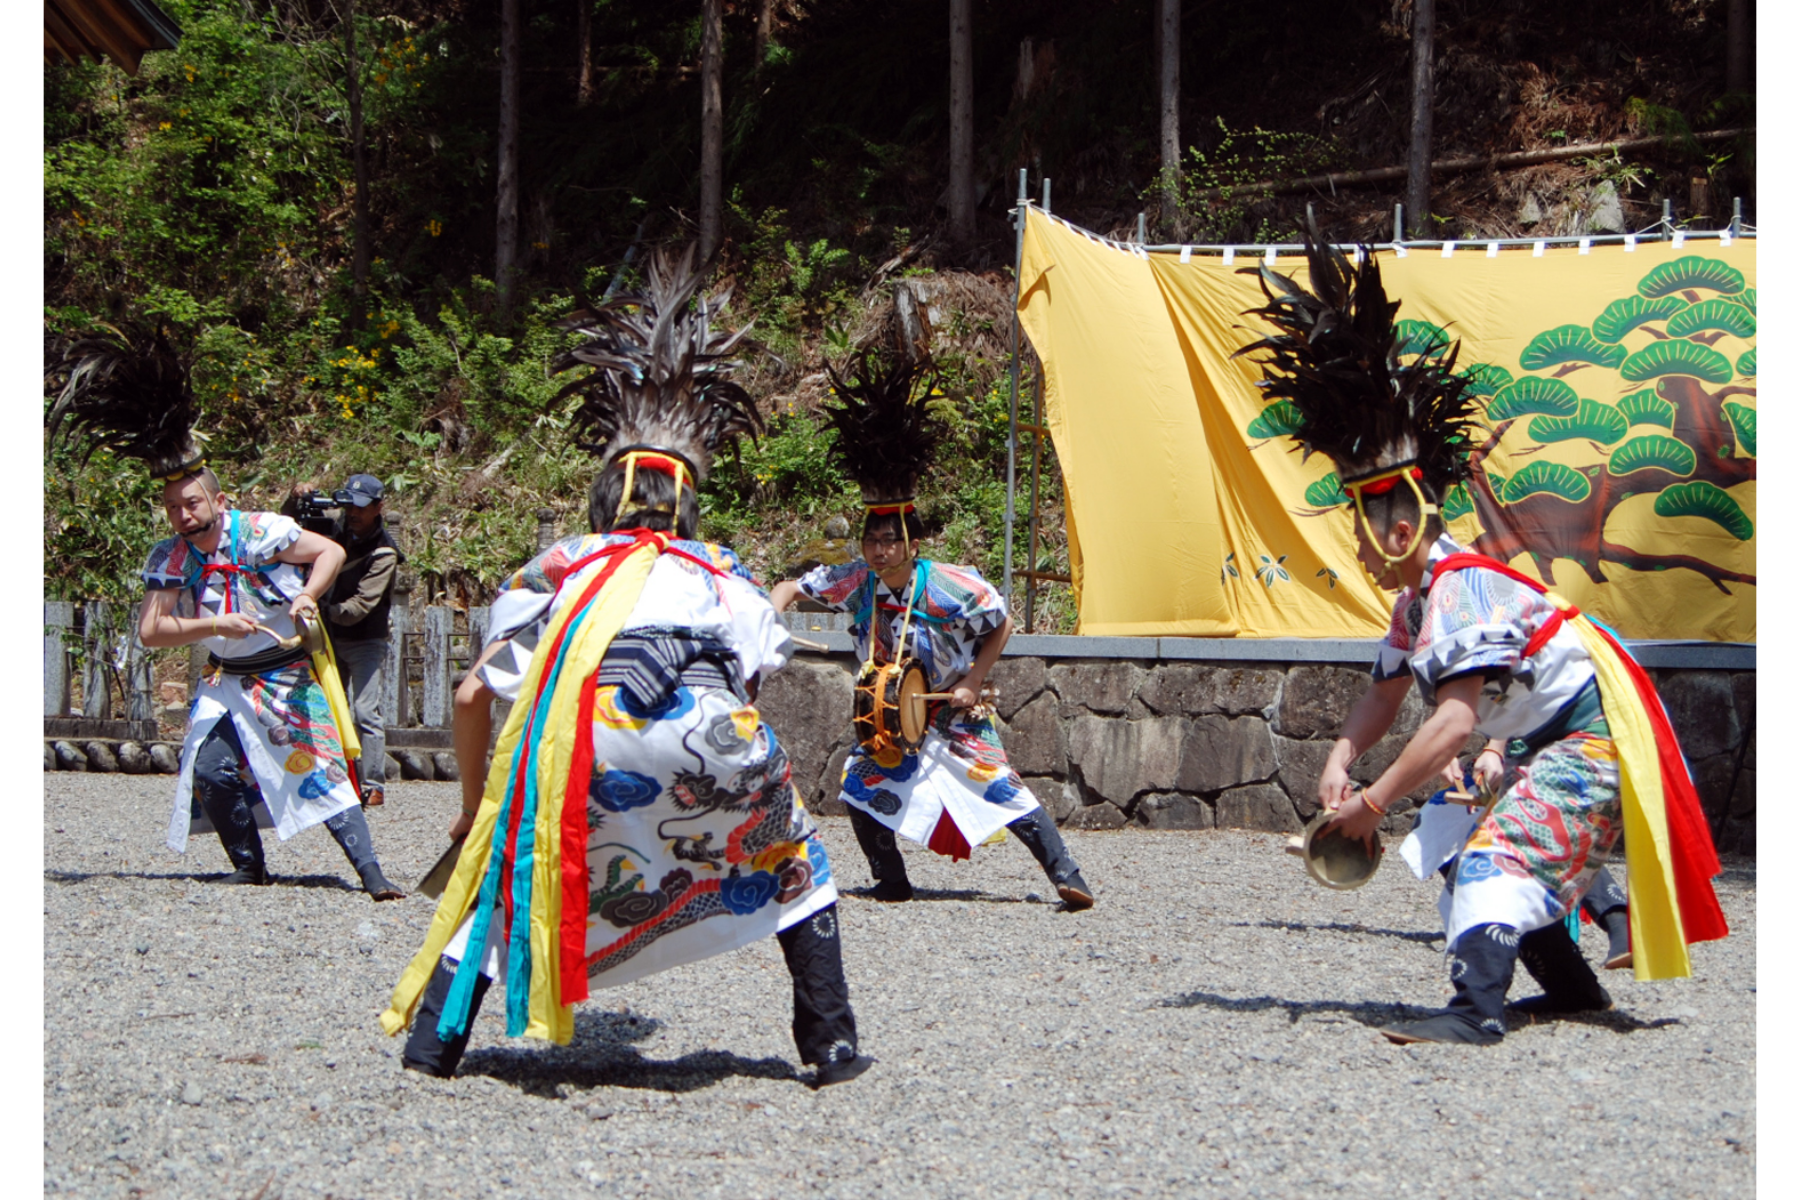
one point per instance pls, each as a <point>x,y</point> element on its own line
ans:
<point>890,711</point>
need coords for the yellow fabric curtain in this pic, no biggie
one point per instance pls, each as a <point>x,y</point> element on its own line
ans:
<point>1619,385</point>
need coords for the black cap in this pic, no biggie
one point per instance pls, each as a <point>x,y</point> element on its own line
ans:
<point>364,490</point>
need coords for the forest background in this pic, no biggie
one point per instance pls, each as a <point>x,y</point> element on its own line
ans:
<point>216,192</point>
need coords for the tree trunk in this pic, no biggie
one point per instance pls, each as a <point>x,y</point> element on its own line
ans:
<point>962,128</point>
<point>765,21</point>
<point>584,34</point>
<point>1737,46</point>
<point>1169,53</point>
<point>1418,164</point>
<point>712,130</point>
<point>359,227</point>
<point>506,224</point>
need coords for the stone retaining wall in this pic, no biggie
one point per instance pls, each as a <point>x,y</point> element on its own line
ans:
<point>1105,743</point>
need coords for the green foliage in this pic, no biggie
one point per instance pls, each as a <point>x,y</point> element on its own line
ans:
<point>1569,344</point>
<point>1743,423</point>
<point>1691,273</point>
<point>1623,316</point>
<point>1710,315</point>
<point>1709,501</point>
<point>1458,503</point>
<point>1276,420</point>
<point>1420,338</point>
<point>1746,363</point>
<point>1593,421</point>
<point>1653,450</point>
<point>1545,479</point>
<point>1208,209</point>
<point>1327,492</point>
<point>1486,379</point>
<point>1648,408</point>
<point>1676,357</point>
<point>1533,395</point>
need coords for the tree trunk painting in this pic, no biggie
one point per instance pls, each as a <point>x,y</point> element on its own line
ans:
<point>1169,52</point>
<point>506,221</point>
<point>1418,163</point>
<point>712,131</point>
<point>1683,429</point>
<point>962,127</point>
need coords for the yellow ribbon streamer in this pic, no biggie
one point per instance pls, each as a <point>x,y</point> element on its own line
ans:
<point>325,670</point>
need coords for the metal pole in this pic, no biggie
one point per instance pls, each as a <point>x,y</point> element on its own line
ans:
<point>1667,221</point>
<point>1037,455</point>
<point>1142,238</point>
<point>1012,408</point>
<point>1737,214</point>
<point>1399,228</point>
<point>1046,193</point>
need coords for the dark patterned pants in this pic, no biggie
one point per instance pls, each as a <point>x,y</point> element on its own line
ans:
<point>228,795</point>
<point>824,1026</point>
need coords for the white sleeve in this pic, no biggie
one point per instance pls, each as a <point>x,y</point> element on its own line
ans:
<point>762,642</point>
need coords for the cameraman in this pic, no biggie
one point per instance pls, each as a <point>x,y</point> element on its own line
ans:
<point>356,610</point>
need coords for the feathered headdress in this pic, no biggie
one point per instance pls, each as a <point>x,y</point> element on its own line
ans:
<point>1337,360</point>
<point>660,390</point>
<point>886,434</point>
<point>129,394</point>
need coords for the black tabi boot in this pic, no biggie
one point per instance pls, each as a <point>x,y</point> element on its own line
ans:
<point>1037,830</point>
<point>1605,906</point>
<point>1481,967</point>
<point>425,1051</point>
<point>886,863</point>
<point>1555,961</point>
<point>824,1025</point>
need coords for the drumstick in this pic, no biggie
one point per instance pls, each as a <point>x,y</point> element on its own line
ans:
<point>808,643</point>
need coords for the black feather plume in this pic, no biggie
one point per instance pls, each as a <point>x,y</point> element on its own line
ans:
<point>660,373</point>
<point>886,434</point>
<point>1335,359</point>
<point>127,392</point>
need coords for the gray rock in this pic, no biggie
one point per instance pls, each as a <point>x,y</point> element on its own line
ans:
<point>808,704</point>
<point>1220,752</point>
<point>414,765</point>
<point>443,763</point>
<point>1315,700</point>
<point>1743,696</point>
<point>1702,710</point>
<point>1529,211</point>
<point>391,765</point>
<point>49,757</point>
<point>1060,798</point>
<point>827,798</point>
<point>165,758</point>
<point>100,758</point>
<point>134,759</point>
<point>1097,816</point>
<point>1101,687</point>
<point>1606,214</point>
<point>1297,767</point>
<point>1743,797</point>
<point>1019,680</point>
<point>70,758</point>
<point>1033,739</point>
<point>1118,759</point>
<point>1182,688</point>
<point>1240,690</point>
<point>1173,810</point>
<point>1261,806</point>
<point>193,1094</point>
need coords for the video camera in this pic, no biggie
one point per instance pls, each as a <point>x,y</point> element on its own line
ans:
<point>319,504</point>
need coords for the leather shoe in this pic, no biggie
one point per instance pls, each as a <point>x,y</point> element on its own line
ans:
<point>840,1072</point>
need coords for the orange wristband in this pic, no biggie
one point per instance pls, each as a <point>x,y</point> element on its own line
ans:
<point>1364,793</point>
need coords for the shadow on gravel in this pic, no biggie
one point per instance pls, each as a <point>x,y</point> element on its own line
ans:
<point>601,1055</point>
<point>971,894</point>
<point>1364,1013</point>
<point>329,882</point>
<point>1408,935</point>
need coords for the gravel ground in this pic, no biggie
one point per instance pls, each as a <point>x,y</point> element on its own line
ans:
<point>1206,1030</point>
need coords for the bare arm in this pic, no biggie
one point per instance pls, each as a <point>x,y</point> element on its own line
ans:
<point>784,594</point>
<point>1372,717</point>
<point>1436,741</point>
<point>158,626</point>
<point>325,557</point>
<point>471,725</point>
